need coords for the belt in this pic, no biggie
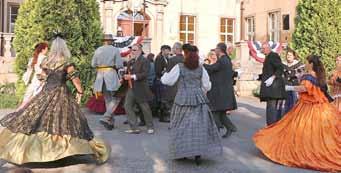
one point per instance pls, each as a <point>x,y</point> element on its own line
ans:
<point>104,68</point>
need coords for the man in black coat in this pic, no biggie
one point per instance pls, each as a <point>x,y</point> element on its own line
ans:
<point>160,64</point>
<point>221,95</point>
<point>169,94</point>
<point>272,88</point>
<point>139,93</point>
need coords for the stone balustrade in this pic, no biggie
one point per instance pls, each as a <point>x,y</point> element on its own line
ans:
<point>6,49</point>
<point>7,59</point>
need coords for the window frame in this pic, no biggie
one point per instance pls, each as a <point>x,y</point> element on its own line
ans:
<point>250,34</point>
<point>11,26</point>
<point>186,31</point>
<point>274,26</point>
<point>226,33</point>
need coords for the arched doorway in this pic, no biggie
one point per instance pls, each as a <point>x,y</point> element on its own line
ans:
<point>133,23</point>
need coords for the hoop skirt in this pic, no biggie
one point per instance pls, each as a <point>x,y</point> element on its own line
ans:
<point>50,127</point>
<point>308,136</point>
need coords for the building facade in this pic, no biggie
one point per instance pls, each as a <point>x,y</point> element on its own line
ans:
<point>8,14</point>
<point>168,21</point>
<point>268,20</point>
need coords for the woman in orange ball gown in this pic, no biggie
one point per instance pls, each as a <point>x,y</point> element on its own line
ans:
<point>308,136</point>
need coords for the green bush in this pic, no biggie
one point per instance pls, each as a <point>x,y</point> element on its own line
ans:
<point>318,30</point>
<point>256,92</point>
<point>78,20</point>
<point>8,97</point>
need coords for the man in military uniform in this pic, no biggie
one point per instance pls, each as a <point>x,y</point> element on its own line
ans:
<point>107,60</point>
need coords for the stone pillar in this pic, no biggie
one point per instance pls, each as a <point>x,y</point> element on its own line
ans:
<point>1,44</point>
<point>146,43</point>
<point>7,45</point>
<point>250,69</point>
<point>108,17</point>
<point>159,25</point>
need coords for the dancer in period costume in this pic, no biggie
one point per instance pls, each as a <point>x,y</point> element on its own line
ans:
<point>170,91</point>
<point>139,92</point>
<point>193,132</point>
<point>51,126</point>
<point>32,75</point>
<point>161,63</point>
<point>293,69</point>
<point>221,95</point>
<point>272,87</point>
<point>107,60</point>
<point>335,83</point>
<point>308,136</point>
<point>151,79</point>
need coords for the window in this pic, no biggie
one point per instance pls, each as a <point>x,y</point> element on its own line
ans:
<point>250,28</point>
<point>274,29</point>
<point>13,13</point>
<point>227,30</point>
<point>187,29</point>
<point>286,22</point>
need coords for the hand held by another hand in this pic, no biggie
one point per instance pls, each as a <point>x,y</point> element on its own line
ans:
<point>269,81</point>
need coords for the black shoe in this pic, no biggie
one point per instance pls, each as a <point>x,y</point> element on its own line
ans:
<point>108,125</point>
<point>227,134</point>
<point>142,123</point>
<point>197,160</point>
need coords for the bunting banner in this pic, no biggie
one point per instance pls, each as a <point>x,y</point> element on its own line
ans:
<point>255,49</point>
<point>123,43</point>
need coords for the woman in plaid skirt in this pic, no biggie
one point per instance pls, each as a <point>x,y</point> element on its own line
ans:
<point>193,131</point>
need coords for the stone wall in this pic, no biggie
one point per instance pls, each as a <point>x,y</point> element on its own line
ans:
<point>250,69</point>
<point>7,73</point>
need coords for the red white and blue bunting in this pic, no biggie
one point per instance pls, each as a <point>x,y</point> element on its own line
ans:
<point>123,43</point>
<point>255,49</point>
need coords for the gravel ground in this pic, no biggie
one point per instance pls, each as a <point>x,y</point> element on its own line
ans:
<point>145,153</point>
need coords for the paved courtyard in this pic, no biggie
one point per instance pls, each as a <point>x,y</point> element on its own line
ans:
<point>145,153</point>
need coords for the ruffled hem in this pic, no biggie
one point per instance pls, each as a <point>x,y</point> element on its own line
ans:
<point>20,148</point>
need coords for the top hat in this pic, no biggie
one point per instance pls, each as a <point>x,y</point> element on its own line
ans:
<point>108,37</point>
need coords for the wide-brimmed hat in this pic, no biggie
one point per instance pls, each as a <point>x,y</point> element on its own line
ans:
<point>108,37</point>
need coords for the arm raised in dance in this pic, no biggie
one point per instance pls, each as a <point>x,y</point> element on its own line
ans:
<point>170,78</point>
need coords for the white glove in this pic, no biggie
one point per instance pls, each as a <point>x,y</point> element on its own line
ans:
<point>269,81</point>
<point>289,88</point>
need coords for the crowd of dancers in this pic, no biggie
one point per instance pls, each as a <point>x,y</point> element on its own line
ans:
<point>195,96</point>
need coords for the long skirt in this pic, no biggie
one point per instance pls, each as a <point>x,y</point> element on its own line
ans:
<point>308,136</point>
<point>193,132</point>
<point>48,128</point>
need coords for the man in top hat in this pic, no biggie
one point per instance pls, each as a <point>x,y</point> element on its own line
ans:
<point>107,60</point>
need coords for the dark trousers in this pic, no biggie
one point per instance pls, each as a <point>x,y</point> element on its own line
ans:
<point>166,107</point>
<point>273,111</point>
<point>290,101</point>
<point>129,106</point>
<point>221,119</point>
<point>111,102</point>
